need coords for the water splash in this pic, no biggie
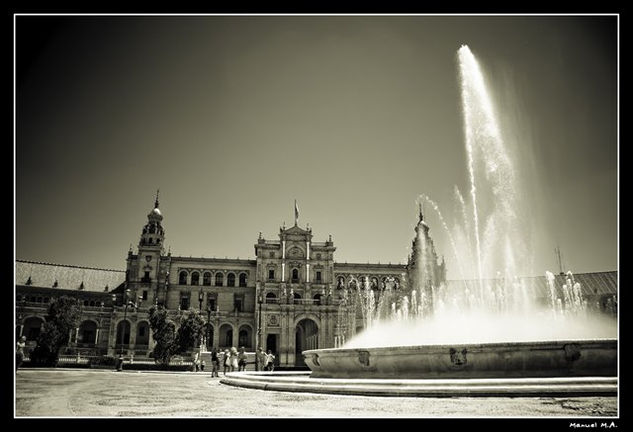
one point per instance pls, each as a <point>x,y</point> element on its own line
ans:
<point>495,304</point>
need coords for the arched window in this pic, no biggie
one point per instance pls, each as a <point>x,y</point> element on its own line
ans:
<point>340,284</point>
<point>219,279</point>
<point>195,278</point>
<point>295,275</point>
<point>242,279</point>
<point>230,280</point>
<point>297,298</point>
<point>363,279</point>
<point>374,283</point>
<point>317,297</point>
<point>271,298</point>
<point>352,284</point>
<point>206,279</point>
<point>182,278</point>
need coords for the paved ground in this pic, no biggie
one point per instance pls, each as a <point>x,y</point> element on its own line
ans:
<point>107,393</point>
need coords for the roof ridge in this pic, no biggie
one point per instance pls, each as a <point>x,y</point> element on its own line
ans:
<point>67,265</point>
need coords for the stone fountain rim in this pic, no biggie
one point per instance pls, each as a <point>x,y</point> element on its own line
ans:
<point>470,346</point>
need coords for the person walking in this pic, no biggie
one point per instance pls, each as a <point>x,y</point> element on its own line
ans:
<point>19,352</point>
<point>270,361</point>
<point>196,362</point>
<point>215,363</point>
<point>241,359</point>
<point>226,360</point>
<point>234,360</point>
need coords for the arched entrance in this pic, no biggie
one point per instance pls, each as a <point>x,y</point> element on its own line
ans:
<point>87,334</point>
<point>142,335</point>
<point>226,336</point>
<point>245,337</point>
<point>32,328</point>
<point>306,338</point>
<point>122,334</point>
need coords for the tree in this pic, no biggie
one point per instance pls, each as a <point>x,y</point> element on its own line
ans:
<point>164,334</point>
<point>190,332</point>
<point>63,317</point>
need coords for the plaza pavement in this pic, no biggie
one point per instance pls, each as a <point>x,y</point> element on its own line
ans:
<point>150,394</point>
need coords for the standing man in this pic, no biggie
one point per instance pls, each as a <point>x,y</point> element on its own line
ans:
<point>19,352</point>
<point>270,361</point>
<point>261,359</point>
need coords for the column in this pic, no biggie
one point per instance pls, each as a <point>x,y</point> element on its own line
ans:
<point>132,335</point>
<point>283,260</point>
<point>216,333</point>
<point>283,339</point>
<point>97,337</point>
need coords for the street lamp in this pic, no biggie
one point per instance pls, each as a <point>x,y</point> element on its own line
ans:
<point>200,298</point>
<point>126,295</point>
<point>258,342</point>
<point>208,333</point>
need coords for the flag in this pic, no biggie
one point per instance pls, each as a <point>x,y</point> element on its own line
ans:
<point>296,212</point>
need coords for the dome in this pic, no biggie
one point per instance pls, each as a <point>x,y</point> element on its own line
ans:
<point>156,211</point>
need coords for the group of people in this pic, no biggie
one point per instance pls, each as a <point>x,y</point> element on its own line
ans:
<point>265,361</point>
<point>234,360</point>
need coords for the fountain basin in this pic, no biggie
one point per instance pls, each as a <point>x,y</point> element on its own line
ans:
<point>565,358</point>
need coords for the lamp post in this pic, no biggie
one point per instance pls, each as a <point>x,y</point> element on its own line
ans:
<point>258,342</point>
<point>208,332</point>
<point>200,298</point>
<point>126,295</point>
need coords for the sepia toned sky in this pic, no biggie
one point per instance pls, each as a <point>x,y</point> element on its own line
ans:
<point>235,117</point>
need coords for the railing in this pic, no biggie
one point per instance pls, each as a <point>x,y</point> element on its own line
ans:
<point>87,359</point>
<point>295,301</point>
<point>306,301</point>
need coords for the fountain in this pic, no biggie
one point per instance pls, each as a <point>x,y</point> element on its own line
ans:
<point>484,334</point>
<point>487,326</point>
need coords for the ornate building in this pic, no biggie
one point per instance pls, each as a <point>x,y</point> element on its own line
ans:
<point>293,296</point>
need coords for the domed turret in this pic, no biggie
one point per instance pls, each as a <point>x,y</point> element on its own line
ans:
<point>153,233</point>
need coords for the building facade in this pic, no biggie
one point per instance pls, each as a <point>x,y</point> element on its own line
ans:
<point>292,297</point>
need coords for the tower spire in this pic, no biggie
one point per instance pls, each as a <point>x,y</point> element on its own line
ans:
<point>421,215</point>
<point>156,201</point>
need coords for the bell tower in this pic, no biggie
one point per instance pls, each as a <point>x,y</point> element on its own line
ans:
<point>146,271</point>
<point>423,270</point>
<point>153,233</point>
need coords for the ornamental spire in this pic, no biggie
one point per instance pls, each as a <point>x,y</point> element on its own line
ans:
<point>156,201</point>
